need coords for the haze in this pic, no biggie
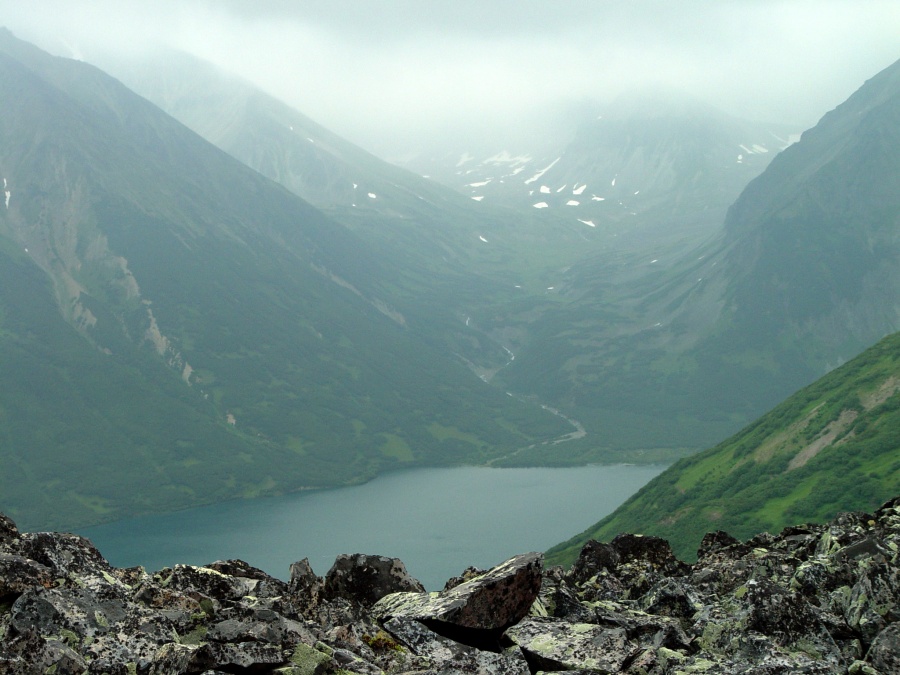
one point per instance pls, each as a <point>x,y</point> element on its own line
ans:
<point>395,75</point>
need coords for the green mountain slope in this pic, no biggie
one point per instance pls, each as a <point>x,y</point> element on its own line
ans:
<point>833,446</point>
<point>176,329</point>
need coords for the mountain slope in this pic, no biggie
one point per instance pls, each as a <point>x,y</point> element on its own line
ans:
<point>218,337</point>
<point>833,446</point>
<point>680,345</point>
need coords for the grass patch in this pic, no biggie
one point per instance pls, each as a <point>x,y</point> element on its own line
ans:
<point>442,433</point>
<point>396,447</point>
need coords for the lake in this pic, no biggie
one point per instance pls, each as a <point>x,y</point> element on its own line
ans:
<point>437,521</point>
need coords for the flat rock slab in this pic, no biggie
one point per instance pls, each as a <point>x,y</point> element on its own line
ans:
<point>494,600</point>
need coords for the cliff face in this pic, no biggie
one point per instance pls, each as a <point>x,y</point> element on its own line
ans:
<point>813,599</point>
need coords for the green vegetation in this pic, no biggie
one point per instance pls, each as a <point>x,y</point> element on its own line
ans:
<point>833,446</point>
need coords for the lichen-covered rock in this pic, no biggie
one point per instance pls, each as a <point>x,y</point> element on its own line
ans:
<point>8,529</point>
<point>18,574</point>
<point>552,644</point>
<point>367,578</point>
<point>207,582</point>
<point>29,652</point>
<point>884,654</point>
<point>429,650</point>
<point>494,600</point>
<point>628,566</point>
<point>304,586</point>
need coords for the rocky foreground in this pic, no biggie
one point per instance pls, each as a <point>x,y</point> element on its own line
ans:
<point>814,599</point>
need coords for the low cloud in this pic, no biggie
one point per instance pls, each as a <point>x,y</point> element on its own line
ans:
<point>396,72</point>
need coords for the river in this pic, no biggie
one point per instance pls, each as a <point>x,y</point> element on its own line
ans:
<point>438,521</point>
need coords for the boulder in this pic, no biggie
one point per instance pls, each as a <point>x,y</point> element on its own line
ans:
<point>19,574</point>
<point>429,648</point>
<point>8,529</point>
<point>884,654</point>
<point>630,564</point>
<point>553,644</point>
<point>304,586</point>
<point>367,578</point>
<point>67,555</point>
<point>492,601</point>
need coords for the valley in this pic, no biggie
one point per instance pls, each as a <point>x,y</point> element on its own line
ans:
<point>210,296</point>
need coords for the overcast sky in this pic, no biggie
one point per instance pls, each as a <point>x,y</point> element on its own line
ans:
<point>388,72</point>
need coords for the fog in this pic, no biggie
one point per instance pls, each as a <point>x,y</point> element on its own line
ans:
<point>394,75</point>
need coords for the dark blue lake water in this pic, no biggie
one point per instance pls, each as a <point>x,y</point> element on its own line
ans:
<point>438,521</point>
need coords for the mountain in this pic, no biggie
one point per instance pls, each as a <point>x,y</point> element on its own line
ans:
<point>387,205</point>
<point>458,255</point>
<point>177,329</point>
<point>659,163</point>
<point>833,446</point>
<point>680,345</point>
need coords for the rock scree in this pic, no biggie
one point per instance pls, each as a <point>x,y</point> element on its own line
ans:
<point>812,599</point>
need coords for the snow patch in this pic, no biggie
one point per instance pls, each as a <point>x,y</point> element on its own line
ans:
<point>310,140</point>
<point>614,182</point>
<point>545,190</point>
<point>590,223</point>
<point>573,202</point>
<point>746,149</point>
<point>637,192</point>
<point>480,183</point>
<point>482,239</point>
<point>654,260</point>
<point>541,205</point>
<point>6,193</point>
<point>355,186</point>
<point>372,195</point>
<point>760,148</point>
<point>595,198</point>
<point>540,173</point>
<point>505,158</point>
<point>465,158</point>
<point>561,189</point>
<point>478,198</point>
<point>577,190</point>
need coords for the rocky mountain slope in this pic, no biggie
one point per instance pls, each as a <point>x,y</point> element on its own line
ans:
<point>169,313</point>
<point>813,599</point>
<point>832,446</point>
